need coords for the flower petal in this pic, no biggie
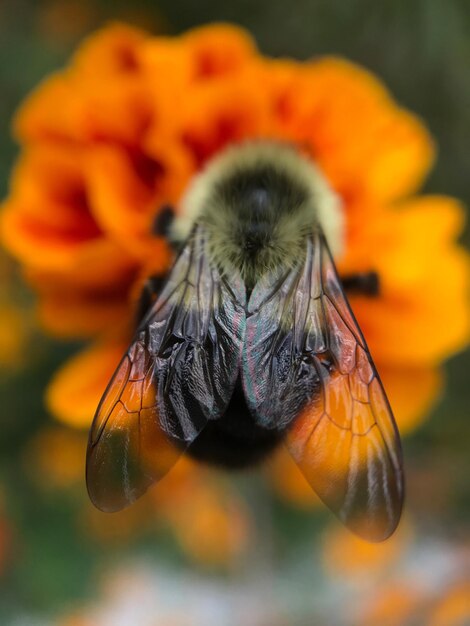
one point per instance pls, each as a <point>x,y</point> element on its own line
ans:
<point>46,221</point>
<point>76,389</point>
<point>348,119</point>
<point>224,112</point>
<point>453,607</point>
<point>218,50</point>
<point>111,51</point>
<point>68,313</point>
<point>127,189</point>
<point>422,315</point>
<point>411,392</point>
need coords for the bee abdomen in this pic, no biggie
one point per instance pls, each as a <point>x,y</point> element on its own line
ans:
<point>235,441</point>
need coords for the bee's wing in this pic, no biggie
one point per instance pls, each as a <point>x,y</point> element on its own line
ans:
<point>307,370</point>
<point>178,373</point>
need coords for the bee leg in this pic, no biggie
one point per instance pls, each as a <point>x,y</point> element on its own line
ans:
<point>150,291</point>
<point>361,283</point>
<point>161,226</point>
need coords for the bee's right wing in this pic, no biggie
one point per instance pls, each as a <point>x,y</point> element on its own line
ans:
<point>179,372</point>
<point>307,372</point>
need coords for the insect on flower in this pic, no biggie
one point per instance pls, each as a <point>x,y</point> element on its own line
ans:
<point>250,341</point>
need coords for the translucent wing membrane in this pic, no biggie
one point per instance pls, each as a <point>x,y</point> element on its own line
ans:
<point>179,372</point>
<point>307,369</point>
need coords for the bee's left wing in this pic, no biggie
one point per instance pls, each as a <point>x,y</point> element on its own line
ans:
<point>307,371</point>
<point>178,373</point>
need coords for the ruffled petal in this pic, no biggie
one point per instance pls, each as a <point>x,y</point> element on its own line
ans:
<point>223,112</point>
<point>113,50</point>
<point>346,118</point>
<point>76,389</point>
<point>127,189</point>
<point>422,314</point>
<point>218,50</point>
<point>46,220</point>
<point>411,392</point>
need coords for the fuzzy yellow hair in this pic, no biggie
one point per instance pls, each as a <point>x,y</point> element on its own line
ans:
<point>205,202</point>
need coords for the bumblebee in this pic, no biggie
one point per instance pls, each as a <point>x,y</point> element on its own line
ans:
<point>251,342</point>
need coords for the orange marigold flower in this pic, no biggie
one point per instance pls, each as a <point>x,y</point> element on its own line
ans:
<point>453,608</point>
<point>347,555</point>
<point>416,600</point>
<point>395,605</point>
<point>121,131</point>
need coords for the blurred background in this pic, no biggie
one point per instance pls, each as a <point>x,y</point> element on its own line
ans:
<point>268,560</point>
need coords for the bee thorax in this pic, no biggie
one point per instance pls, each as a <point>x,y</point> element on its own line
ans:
<point>259,202</point>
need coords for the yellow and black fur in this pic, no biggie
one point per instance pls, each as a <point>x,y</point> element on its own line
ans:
<point>258,202</point>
